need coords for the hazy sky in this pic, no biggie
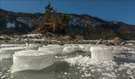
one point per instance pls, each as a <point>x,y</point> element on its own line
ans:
<point>112,10</point>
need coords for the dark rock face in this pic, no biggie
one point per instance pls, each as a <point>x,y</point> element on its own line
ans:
<point>84,25</point>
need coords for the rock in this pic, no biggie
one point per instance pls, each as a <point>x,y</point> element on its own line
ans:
<point>115,41</point>
<point>118,41</point>
<point>123,43</point>
<point>79,37</point>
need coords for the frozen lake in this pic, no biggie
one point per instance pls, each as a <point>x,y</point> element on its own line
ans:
<point>77,65</point>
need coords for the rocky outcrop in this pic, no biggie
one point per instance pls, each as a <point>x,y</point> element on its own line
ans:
<point>118,41</point>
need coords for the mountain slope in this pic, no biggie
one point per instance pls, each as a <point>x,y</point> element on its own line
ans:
<point>88,26</point>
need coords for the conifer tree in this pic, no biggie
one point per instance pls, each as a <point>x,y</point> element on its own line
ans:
<point>54,22</point>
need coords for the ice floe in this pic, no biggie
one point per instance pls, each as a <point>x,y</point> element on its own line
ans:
<point>31,60</point>
<point>33,46</point>
<point>55,49</point>
<point>12,45</point>
<point>101,53</point>
<point>9,51</point>
<point>119,49</point>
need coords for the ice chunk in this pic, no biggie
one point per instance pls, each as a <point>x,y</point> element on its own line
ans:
<point>53,45</point>
<point>128,71</point>
<point>101,53</point>
<point>9,51</point>
<point>12,45</point>
<point>55,49</point>
<point>119,49</point>
<point>87,47</point>
<point>81,61</point>
<point>33,46</point>
<point>31,60</point>
<point>70,49</point>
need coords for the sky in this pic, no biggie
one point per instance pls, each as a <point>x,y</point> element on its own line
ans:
<point>110,10</point>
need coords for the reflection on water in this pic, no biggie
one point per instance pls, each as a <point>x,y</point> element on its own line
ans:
<point>5,65</point>
<point>59,70</point>
<point>47,73</point>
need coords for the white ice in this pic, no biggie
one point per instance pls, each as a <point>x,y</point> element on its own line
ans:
<point>70,49</point>
<point>119,50</point>
<point>12,45</point>
<point>31,60</point>
<point>85,47</point>
<point>55,49</point>
<point>101,53</point>
<point>33,46</point>
<point>9,51</point>
<point>103,69</point>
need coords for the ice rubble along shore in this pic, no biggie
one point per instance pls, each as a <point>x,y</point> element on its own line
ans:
<point>31,60</point>
<point>33,46</point>
<point>70,49</point>
<point>12,45</point>
<point>54,48</point>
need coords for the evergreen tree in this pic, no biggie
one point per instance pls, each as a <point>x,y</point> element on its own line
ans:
<point>33,23</point>
<point>54,22</point>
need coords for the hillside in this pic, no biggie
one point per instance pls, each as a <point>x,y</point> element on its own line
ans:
<point>85,25</point>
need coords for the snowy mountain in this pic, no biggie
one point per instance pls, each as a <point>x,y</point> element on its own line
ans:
<point>84,21</point>
<point>88,26</point>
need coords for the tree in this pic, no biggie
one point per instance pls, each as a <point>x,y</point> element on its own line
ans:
<point>54,22</point>
<point>33,23</point>
<point>48,12</point>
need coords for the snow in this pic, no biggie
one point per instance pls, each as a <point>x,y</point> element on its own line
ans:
<point>35,40</point>
<point>10,25</point>
<point>83,22</point>
<point>25,20</point>
<point>32,35</point>
<point>31,60</point>
<point>101,53</point>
